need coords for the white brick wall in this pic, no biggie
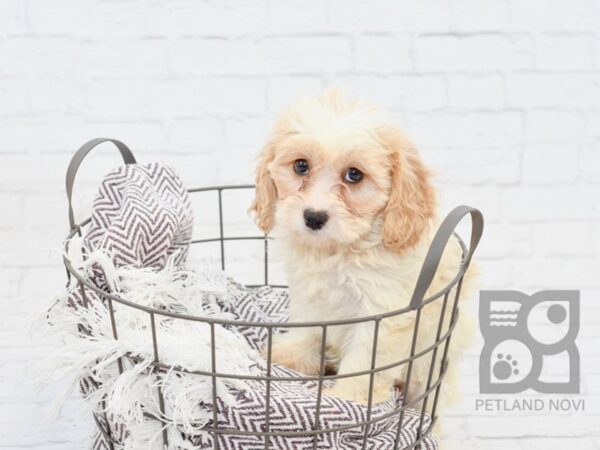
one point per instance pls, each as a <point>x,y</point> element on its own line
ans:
<point>502,97</point>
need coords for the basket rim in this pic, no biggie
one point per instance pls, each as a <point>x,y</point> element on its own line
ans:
<point>77,230</point>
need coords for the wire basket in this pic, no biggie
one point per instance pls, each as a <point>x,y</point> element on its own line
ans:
<point>427,402</point>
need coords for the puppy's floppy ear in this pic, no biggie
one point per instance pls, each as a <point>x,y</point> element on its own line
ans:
<point>412,199</point>
<point>265,198</point>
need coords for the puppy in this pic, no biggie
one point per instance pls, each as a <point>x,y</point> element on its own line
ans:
<point>352,206</point>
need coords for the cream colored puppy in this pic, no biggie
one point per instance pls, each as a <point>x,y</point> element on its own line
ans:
<point>348,198</point>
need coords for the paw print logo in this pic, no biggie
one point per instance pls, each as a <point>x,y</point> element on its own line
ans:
<point>505,367</point>
<point>523,336</point>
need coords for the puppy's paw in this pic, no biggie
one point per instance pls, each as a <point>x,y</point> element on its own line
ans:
<point>357,389</point>
<point>293,356</point>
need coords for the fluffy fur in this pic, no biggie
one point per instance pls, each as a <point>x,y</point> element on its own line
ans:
<point>366,258</point>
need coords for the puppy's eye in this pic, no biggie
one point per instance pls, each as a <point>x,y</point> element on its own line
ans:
<point>301,167</point>
<point>353,175</point>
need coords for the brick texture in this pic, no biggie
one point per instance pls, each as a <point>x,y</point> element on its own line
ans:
<point>502,97</point>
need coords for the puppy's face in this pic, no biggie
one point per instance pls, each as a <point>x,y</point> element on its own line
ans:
<point>332,168</point>
<point>331,181</point>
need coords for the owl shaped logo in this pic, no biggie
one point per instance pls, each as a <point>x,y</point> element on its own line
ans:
<point>529,342</point>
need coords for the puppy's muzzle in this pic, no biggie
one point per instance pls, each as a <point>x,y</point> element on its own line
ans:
<point>315,219</point>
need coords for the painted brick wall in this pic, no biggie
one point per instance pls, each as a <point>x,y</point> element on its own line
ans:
<point>501,96</point>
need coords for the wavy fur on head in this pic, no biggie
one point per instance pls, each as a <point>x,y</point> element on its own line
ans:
<point>364,257</point>
<point>334,134</point>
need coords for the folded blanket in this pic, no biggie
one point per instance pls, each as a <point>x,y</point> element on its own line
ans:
<point>123,398</point>
<point>142,215</point>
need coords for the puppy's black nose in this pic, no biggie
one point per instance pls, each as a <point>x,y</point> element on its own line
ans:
<point>315,219</point>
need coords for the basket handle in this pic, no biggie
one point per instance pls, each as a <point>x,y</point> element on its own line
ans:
<point>77,159</point>
<point>438,244</point>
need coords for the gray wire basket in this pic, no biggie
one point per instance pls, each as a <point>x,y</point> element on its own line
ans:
<point>427,402</point>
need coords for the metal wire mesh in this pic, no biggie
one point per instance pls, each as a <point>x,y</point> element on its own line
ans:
<point>434,380</point>
<point>426,401</point>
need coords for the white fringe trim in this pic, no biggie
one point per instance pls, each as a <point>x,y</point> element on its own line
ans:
<point>182,343</point>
